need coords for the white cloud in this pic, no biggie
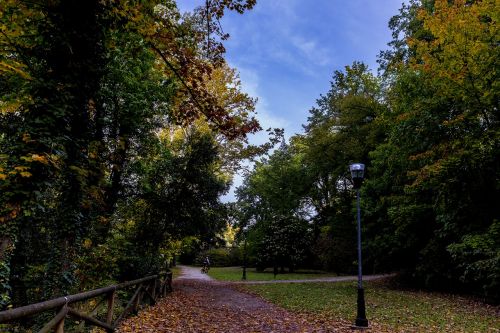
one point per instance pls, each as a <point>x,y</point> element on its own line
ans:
<point>312,51</point>
<point>250,85</point>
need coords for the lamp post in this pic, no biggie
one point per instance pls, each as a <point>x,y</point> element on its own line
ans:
<point>244,277</point>
<point>357,175</point>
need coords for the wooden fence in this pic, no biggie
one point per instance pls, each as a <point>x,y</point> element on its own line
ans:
<point>152,287</point>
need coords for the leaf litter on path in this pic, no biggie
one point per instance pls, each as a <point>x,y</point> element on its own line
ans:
<point>206,307</point>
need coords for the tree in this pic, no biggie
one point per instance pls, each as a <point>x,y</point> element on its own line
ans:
<point>343,128</point>
<point>271,199</point>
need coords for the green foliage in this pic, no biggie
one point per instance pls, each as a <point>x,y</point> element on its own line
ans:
<point>271,200</point>
<point>189,249</point>
<point>334,248</point>
<point>478,258</point>
<point>221,257</point>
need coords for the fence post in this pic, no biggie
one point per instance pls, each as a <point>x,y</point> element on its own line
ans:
<point>59,328</point>
<point>111,305</point>
<point>169,281</point>
<point>153,291</point>
<point>138,299</point>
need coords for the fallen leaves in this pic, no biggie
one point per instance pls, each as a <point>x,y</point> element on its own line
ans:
<point>197,306</point>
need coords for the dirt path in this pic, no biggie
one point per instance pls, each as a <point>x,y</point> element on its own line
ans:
<point>199,304</point>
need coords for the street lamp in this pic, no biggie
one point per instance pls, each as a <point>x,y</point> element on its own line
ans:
<point>245,229</point>
<point>357,175</point>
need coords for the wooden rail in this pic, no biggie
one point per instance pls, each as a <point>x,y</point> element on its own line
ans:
<point>153,287</point>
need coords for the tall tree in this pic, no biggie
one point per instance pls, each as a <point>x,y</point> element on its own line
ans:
<point>272,200</point>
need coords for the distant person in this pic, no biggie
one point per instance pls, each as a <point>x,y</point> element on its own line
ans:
<point>206,265</point>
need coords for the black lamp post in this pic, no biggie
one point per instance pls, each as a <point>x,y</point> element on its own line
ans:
<point>244,277</point>
<point>357,175</point>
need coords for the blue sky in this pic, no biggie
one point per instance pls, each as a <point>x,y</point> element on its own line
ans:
<point>286,51</point>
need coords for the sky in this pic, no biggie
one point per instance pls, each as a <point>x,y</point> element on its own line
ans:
<point>287,50</point>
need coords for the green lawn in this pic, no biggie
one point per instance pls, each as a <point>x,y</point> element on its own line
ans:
<point>387,309</point>
<point>176,271</point>
<point>235,274</point>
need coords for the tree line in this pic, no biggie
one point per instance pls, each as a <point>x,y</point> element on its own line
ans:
<point>427,128</point>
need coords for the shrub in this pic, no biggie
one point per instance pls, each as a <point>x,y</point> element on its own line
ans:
<point>221,257</point>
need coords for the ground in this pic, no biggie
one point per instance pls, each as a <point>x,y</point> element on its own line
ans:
<point>200,304</point>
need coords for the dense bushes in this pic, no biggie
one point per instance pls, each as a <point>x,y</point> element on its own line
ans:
<point>221,257</point>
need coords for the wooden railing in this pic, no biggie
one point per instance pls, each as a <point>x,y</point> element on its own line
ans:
<point>153,287</point>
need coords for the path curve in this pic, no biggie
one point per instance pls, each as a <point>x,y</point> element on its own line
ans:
<point>192,273</point>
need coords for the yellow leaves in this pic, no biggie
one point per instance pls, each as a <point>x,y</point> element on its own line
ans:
<point>462,36</point>
<point>14,68</point>
<point>21,168</point>
<point>87,243</point>
<point>26,138</point>
<point>458,119</point>
<point>224,84</point>
<point>103,220</point>
<point>79,171</point>
<point>24,171</point>
<point>41,159</point>
<point>9,106</point>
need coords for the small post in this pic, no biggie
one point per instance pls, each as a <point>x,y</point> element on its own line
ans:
<point>169,283</point>
<point>275,266</point>
<point>153,291</point>
<point>244,277</point>
<point>111,305</point>
<point>59,328</point>
<point>138,299</point>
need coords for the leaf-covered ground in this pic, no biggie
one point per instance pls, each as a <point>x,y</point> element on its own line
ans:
<point>201,306</point>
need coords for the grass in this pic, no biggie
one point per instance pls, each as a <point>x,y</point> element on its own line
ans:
<point>389,309</point>
<point>176,271</point>
<point>235,274</point>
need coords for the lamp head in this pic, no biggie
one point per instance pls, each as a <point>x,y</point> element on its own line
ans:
<point>357,174</point>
